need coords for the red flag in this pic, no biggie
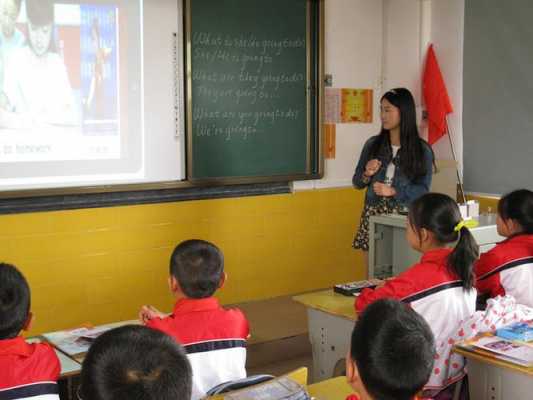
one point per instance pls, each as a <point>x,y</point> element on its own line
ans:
<point>438,103</point>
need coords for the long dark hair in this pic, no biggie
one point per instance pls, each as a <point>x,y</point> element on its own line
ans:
<point>439,214</point>
<point>411,153</point>
<point>518,206</point>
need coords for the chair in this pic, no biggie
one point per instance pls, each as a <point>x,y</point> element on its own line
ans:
<point>216,393</point>
<point>237,384</point>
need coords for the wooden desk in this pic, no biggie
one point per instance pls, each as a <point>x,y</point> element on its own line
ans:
<point>71,365</point>
<point>331,318</point>
<point>490,378</point>
<point>331,389</point>
<point>70,370</point>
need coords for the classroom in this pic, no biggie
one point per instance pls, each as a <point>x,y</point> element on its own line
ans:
<point>99,264</point>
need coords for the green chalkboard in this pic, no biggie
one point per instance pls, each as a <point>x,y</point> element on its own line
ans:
<point>252,93</point>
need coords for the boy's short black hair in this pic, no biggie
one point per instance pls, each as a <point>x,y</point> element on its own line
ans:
<point>14,301</point>
<point>393,348</point>
<point>198,266</point>
<point>135,362</point>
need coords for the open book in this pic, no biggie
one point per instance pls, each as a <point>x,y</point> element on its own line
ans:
<point>507,350</point>
<point>76,341</point>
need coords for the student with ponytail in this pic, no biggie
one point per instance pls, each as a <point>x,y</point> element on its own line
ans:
<point>508,267</point>
<point>441,286</point>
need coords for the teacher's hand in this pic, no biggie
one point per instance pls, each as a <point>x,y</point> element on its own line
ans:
<point>384,190</point>
<point>372,167</point>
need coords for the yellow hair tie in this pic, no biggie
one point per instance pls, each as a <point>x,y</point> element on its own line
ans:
<point>469,223</point>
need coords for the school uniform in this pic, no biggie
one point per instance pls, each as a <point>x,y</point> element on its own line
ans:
<point>507,269</point>
<point>436,293</point>
<point>213,337</point>
<point>28,370</point>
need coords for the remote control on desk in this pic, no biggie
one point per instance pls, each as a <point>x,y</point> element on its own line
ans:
<point>353,288</point>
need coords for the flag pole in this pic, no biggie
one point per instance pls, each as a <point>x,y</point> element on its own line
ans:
<point>461,187</point>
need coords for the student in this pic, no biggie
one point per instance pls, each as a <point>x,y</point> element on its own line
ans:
<point>214,338</point>
<point>26,370</point>
<point>440,286</point>
<point>391,354</point>
<point>508,267</point>
<point>395,166</point>
<point>135,362</point>
<point>36,86</point>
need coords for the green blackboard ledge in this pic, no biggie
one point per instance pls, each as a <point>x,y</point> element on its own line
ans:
<point>114,199</point>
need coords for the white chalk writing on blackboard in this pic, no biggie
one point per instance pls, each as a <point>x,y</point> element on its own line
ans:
<point>228,74</point>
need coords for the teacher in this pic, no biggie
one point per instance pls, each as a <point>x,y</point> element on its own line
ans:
<point>395,166</point>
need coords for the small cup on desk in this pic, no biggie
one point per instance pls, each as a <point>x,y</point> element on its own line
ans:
<point>473,208</point>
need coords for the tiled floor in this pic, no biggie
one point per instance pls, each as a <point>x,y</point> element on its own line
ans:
<point>276,318</point>
<point>279,341</point>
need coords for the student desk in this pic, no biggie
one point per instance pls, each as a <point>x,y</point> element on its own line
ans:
<point>71,365</point>
<point>389,254</point>
<point>490,378</point>
<point>330,389</point>
<point>70,371</point>
<point>331,318</point>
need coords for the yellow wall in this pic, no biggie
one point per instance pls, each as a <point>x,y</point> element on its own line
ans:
<point>101,265</point>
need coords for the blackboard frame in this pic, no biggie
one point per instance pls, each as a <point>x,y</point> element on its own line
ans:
<point>132,195</point>
<point>315,104</point>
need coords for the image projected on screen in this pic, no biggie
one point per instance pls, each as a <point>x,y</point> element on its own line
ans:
<point>60,85</point>
<point>78,90</point>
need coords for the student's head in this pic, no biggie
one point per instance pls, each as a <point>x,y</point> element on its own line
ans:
<point>515,213</point>
<point>398,111</point>
<point>40,25</point>
<point>392,352</point>
<point>434,220</point>
<point>9,13</point>
<point>197,267</point>
<point>14,302</point>
<point>135,362</point>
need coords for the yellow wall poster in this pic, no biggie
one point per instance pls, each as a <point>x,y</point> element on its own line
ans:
<point>348,105</point>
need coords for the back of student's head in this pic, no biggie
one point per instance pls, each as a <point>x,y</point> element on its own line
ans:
<point>14,301</point>
<point>393,348</point>
<point>198,266</point>
<point>439,214</point>
<point>135,362</point>
<point>518,206</point>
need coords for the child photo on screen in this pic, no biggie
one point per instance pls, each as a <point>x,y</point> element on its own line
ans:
<point>36,85</point>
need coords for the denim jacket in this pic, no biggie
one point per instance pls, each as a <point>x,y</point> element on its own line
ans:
<point>407,190</point>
